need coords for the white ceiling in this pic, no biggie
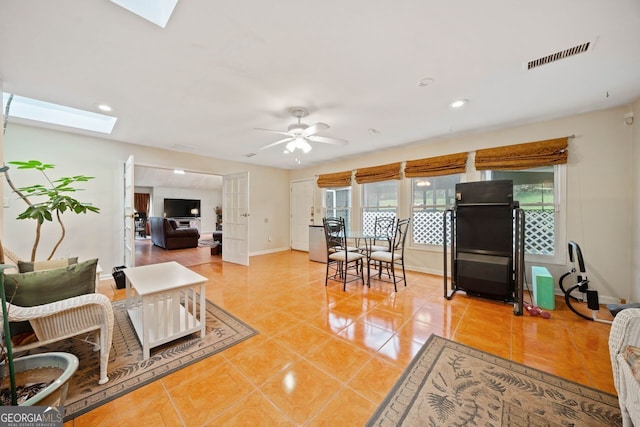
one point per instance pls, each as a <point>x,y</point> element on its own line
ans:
<point>157,177</point>
<point>221,69</point>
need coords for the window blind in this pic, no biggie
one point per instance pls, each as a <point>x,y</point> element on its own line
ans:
<point>378,173</point>
<point>436,166</point>
<point>524,156</point>
<point>337,179</point>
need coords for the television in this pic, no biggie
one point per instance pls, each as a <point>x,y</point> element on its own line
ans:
<point>181,208</point>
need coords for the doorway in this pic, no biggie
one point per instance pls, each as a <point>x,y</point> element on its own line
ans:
<point>154,185</point>
<point>302,211</point>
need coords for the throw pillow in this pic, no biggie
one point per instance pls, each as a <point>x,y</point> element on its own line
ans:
<point>45,286</point>
<point>632,356</point>
<point>42,287</point>
<point>27,266</point>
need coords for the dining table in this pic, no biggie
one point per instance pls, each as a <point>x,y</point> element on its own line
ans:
<point>365,239</point>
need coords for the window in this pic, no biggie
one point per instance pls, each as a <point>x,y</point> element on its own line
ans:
<point>378,199</point>
<point>430,198</point>
<point>539,192</point>
<point>337,203</point>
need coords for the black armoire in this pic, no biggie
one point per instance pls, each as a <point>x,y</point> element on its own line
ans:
<point>487,243</point>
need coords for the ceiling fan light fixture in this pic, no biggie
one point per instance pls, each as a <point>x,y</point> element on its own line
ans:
<point>306,147</point>
<point>291,146</point>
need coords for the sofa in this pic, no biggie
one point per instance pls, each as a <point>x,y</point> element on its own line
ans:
<point>217,237</point>
<point>624,349</point>
<point>166,234</point>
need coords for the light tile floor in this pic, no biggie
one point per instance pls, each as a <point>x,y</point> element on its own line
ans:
<point>329,357</point>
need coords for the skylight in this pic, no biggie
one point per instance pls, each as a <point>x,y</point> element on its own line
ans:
<point>47,112</point>
<point>156,11</point>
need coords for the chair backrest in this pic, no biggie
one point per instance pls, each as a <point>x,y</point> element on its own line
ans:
<point>400,235</point>
<point>383,228</point>
<point>334,231</point>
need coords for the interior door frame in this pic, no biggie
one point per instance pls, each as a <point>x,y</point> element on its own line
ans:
<point>129,255</point>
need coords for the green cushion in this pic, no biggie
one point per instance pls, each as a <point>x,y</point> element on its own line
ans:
<point>26,266</point>
<point>42,287</point>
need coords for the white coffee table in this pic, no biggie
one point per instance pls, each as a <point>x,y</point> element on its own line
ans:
<point>162,303</point>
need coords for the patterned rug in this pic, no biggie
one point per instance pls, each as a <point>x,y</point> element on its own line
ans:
<point>450,384</point>
<point>128,372</point>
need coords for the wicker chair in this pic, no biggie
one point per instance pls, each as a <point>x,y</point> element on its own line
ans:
<point>90,315</point>
<point>625,331</point>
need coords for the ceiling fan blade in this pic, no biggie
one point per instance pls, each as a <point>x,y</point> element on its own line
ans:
<point>273,131</point>
<point>326,140</point>
<point>273,144</point>
<point>315,128</point>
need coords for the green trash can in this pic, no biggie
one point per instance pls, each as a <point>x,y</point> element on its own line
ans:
<point>543,288</point>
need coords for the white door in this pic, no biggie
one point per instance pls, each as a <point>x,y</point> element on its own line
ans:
<point>235,218</point>
<point>302,205</point>
<point>129,226</point>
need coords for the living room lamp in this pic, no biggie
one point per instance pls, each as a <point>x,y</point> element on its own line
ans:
<point>194,211</point>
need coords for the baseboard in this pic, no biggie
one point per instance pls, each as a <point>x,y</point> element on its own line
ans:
<point>603,299</point>
<point>268,251</point>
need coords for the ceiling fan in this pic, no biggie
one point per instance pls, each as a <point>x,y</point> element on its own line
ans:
<point>299,134</point>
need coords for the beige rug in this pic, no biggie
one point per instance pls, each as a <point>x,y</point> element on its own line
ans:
<point>450,384</point>
<point>128,372</point>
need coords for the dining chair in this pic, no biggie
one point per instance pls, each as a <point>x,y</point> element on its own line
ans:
<point>393,257</point>
<point>339,218</point>
<point>382,235</point>
<point>342,264</point>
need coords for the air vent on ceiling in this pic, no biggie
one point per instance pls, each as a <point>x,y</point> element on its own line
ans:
<point>250,155</point>
<point>558,55</point>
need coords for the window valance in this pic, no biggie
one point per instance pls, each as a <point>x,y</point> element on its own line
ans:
<point>436,166</point>
<point>524,156</point>
<point>379,173</point>
<point>337,179</point>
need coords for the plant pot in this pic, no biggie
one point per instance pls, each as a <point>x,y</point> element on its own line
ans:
<point>64,364</point>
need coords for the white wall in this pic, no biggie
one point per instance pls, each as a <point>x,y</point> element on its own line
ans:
<point>599,194</point>
<point>101,235</point>
<point>634,291</point>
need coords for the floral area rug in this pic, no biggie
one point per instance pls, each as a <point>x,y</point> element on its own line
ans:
<point>127,371</point>
<point>450,384</point>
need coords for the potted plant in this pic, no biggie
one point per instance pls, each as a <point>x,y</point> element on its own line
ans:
<point>51,370</point>
<point>218,215</point>
<point>54,200</point>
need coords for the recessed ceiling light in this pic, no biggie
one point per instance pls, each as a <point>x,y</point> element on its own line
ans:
<point>458,103</point>
<point>425,82</point>
<point>178,171</point>
<point>104,107</point>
